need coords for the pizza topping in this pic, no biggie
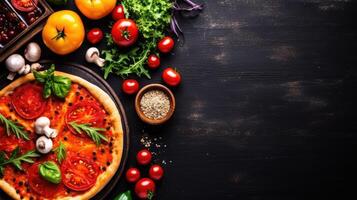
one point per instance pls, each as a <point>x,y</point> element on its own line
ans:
<point>28,102</point>
<point>44,145</point>
<point>12,128</point>
<point>39,185</point>
<point>92,132</point>
<point>50,172</point>
<point>61,152</point>
<point>16,64</point>
<point>15,159</point>
<point>42,126</point>
<point>79,173</point>
<point>59,86</point>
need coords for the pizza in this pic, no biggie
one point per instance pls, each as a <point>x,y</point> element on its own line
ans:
<point>83,158</point>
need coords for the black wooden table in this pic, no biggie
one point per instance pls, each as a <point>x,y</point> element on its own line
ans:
<point>267,106</point>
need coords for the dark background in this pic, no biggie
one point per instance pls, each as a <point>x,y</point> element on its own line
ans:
<point>267,106</point>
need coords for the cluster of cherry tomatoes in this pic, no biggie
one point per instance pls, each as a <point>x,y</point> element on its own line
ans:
<point>144,187</point>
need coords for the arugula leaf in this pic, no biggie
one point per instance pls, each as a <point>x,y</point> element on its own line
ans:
<point>16,160</point>
<point>61,152</point>
<point>56,85</point>
<point>152,18</point>
<point>12,128</point>
<point>92,132</point>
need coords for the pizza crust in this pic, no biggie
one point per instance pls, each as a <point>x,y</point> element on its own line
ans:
<point>114,115</point>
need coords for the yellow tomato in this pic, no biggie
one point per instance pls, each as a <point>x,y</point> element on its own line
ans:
<point>63,32</point>
<point>95,9</point>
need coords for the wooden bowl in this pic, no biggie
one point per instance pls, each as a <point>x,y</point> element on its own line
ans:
<point>147,88</point>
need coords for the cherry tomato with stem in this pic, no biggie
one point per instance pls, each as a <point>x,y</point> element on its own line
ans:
<point>130,86</point>
<point>144,157</point>
<point>153,61</point>
<point>145,188</point>
<point>166,44</point>
<point>118,12</point>
<point>95,35</point>
<point>132,175</point>
<point>156,172</point>
<point>171,77</point>
<point>125,32</point>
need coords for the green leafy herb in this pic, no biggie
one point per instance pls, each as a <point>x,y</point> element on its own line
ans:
<point>50,172</point>
<point>124,196</point>
<point>58,86</point>
<point>152,18</point>
<point>61,152</point>
<point>92,132</point>
<point>16,159</point>
<point>12,128</point>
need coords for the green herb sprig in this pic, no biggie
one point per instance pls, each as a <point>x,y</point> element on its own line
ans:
<point>60,152</point>
<point>58,86</point>
<point>15,159</point>
<point>12,128</point>
<point>92,132</point>
<point>152,18</point>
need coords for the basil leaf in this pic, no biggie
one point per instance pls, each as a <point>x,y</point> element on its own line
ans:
<point>124,196</point>
<point>47,91</point>
<point>50,172</point>
<point>61,86</point>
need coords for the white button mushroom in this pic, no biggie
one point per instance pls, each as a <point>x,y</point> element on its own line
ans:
<point>33,52</point>
<point>36,66</point>
<point>15,63</point>
<point>92,56</point>
<point>50,132</point>
<point>44,145</point>
<point>40,124</point>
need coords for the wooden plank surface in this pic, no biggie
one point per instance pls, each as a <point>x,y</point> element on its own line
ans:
<point>267,105</point>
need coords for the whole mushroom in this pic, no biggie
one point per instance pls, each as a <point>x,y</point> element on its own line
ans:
<point>33,52</point>
<point>42,127</point>
<point>16,64</point>
<point>44,145</point>
<point>93,56</point>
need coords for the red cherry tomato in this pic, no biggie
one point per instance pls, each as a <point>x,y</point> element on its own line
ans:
<point>144,157</point>
<point>24,5</point>
<point>125,32</point>
<point>171,77</point>
<point>156,172</point>
<point>145,188</point>
<point>153,61</point>
<point>132,175</point>
<point>166,44</point>
<point>95,35</point>
<point>130,86</point>
<point>118,12</point>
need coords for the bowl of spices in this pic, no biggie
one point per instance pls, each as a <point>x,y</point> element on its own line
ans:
<point>155,104</point>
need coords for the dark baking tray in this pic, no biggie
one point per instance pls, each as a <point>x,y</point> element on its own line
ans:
<point>95,79</point>
<point>25,36</point>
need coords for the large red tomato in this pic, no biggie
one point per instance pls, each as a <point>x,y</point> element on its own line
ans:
<point>125,32</point>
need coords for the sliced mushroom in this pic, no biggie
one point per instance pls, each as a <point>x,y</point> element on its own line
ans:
<point>93,56</point>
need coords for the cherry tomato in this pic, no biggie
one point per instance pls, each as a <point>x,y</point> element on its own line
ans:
<point>118,12</point>
<point>156,172</point>
<point>153,61</point>
<point>28,101</point>
<point>40,185</point>
<point>24,5</point>
<point>85,113</point>
<point>144,157</point>
<point>95,35</point>
<point>130,86</point>
<point>171,77</point>
<point>125,32</point>
<point>145,188</point>
<point>166,44</point>
<point>79,173</point>
<point>132,175</point>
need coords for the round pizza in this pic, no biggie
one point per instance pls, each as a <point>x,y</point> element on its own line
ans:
<point>61,137</point>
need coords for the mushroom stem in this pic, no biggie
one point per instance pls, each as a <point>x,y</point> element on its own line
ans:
<point>11,76</point>
<point>99,61</point>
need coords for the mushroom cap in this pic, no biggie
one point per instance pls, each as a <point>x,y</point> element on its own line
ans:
<point>33,52</point>
<point>90,52</point>
<point>44,145</point>
<point>15,62</point>
<point>42,122</point>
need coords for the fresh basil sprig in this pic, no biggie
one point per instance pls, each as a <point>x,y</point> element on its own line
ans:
<point>12,128</point>
<point>50,172</point>
<point>58,86</point>
<point>92,132</point>
<point>15,159</point>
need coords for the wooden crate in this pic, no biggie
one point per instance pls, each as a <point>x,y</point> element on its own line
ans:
<point>24,37</point>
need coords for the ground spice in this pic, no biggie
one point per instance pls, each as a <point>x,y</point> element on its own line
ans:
<point>155,104</point>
